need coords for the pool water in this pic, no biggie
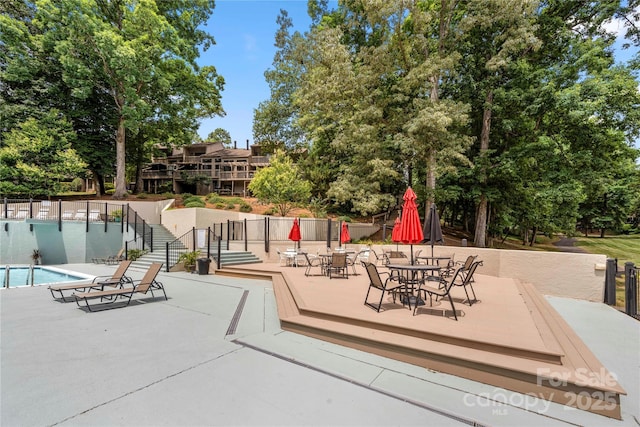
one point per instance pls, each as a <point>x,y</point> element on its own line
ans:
<point>20,276</point>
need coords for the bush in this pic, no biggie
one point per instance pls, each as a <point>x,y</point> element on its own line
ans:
<point>271,211</point>
<point>110,191</point>
<point>168,195</point>
<point>220,205</point>
<point>236,200</point>
<point>142,196</point>
<point>344,218</point>
<point>195,203</point>
<point>230,206</point>
<point>246,208</point>
<point>214,198</point>
<point>191,199</point>
<point>109,186</point>
<point>134,254</point>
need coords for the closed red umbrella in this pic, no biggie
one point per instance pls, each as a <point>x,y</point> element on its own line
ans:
<point>410,227</point>
<point>344,234</point>
<point>395,233</point>
<point>294,234</point>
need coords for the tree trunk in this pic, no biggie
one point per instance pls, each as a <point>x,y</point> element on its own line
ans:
<point>481,219</point>
<point>534,232</point>
<point>121,181</point>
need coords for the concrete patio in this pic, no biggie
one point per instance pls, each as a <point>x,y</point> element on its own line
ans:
<point>216,353</point>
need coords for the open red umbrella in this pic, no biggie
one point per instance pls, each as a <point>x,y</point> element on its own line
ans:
<point>344,234</point>
<point>410,227</point>
<point>294,234</point>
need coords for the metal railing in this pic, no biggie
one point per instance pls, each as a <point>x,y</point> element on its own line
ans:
<point>631,287</point>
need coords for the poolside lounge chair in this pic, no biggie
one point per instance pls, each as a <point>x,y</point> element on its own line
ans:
<point>108,298</point>
<point>22,213</point>
<point>9,213</point>
<point>111,259</point>
<point>43,213</point>
<point>94,215</point>
<point>118,278</point>
<point>80,215</point>
<point>67,215</point>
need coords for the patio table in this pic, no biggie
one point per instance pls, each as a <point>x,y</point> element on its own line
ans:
<point>412,275</point>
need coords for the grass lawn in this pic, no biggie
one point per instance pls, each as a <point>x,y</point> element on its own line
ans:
<point>624,248</point>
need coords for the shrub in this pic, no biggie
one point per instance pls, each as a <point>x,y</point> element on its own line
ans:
<point>214,198</point>
<point>271,211</point>
<point>220,205</point>
<point>142,196</point>
<point>191,199</point>
<point>195,203</point>
<point>246,208</point>
<point>236,200</point>
<point>344,218</point>
<point>168,195</point>
<point>109,186</point>
<point>110,191</point>
<point>134,254</point>
<point>230,206</point>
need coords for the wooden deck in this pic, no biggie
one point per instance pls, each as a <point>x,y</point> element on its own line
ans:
<point>511,338</point>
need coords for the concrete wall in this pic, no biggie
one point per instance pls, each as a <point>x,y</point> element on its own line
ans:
<point>72,245</point>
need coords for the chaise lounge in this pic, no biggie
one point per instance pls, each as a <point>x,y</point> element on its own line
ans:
<point>117,279</point>
<point>108,298</point>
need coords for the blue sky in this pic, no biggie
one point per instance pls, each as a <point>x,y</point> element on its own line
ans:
<point>244,31</point>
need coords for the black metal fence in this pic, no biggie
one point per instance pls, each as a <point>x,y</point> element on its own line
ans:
<point>192,240</point>
<point>87,212</point>
<point>631,287</point>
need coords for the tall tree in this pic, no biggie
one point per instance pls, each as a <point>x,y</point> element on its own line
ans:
<point>141,53</point>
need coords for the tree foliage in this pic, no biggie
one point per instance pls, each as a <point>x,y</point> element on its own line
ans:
<point>280,183</point>
<point>139,54</point>
<point>511,115</point>
<point>36,157</point>
<point>220,135</point>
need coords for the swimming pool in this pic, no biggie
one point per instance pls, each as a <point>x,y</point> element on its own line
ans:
<point>21,276</point>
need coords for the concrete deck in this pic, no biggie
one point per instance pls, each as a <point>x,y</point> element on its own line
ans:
<point>215,354</point>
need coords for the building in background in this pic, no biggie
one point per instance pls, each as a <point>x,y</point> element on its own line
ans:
<point>203,168</point>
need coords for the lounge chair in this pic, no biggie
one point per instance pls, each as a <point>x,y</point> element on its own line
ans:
<point>81,215</point>
<point>9,213</point>
<point>118,278</point>
<point>111,259</point>
<point>22,213</point>
<point>43,213</point>
<point>391,285</point>
<point>108,298</point>
<point>94,215</point>
<point>67,215</point>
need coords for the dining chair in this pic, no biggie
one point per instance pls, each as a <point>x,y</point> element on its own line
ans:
<point>425,288</point>
<point>391,285</point>
<point>338,265</point>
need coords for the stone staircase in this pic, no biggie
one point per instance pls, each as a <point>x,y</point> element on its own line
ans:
<point>160,238</point>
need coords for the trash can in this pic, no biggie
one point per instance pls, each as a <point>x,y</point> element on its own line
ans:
<point>203,265</point>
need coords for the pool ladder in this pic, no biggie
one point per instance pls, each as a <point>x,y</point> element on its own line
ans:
<point>7,270</point>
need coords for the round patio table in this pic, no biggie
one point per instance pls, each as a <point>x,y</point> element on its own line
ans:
<point>412,275</point>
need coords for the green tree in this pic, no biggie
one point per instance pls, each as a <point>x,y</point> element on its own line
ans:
<point>220,135</point>
<point>280,183</point>
<point>275,120</point>
<point>140,54</point>
<point>36,156</point>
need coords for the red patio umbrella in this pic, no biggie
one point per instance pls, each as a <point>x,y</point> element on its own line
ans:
<point>395,233</point>
<point>294,234</point>
<point>344,234</point>
<point>410,227</point>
